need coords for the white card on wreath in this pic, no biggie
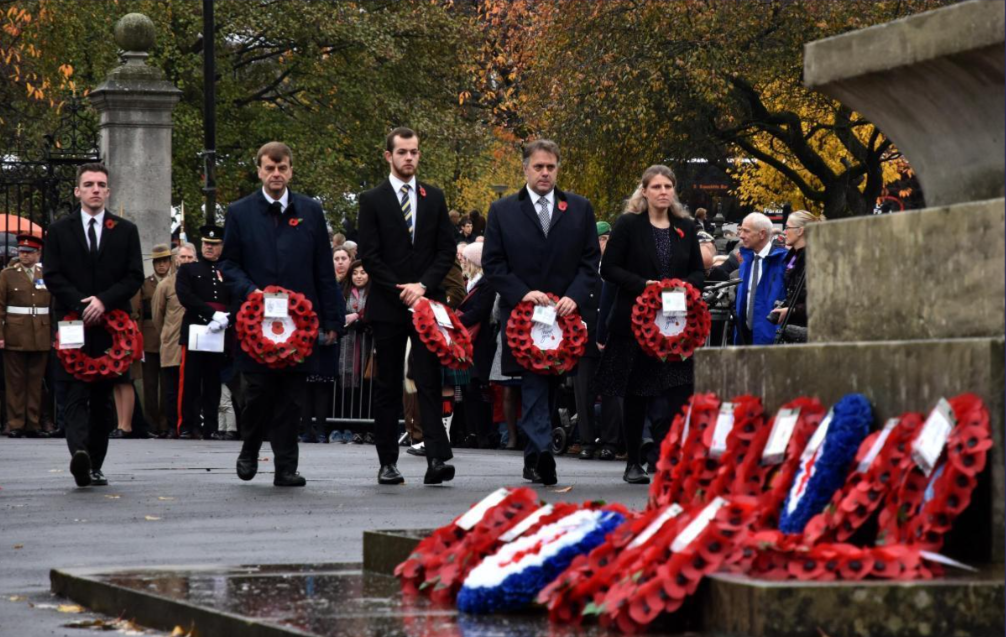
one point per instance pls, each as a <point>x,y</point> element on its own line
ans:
<point>447,334</point>
<point>477,512</point>
<point>71,334</point>
<point>544,314</point>
<point>929,444</point>
<point>441,315</point>
<point>669,513</point>
<point>817,439</point>
<point>724,425</point>
<point>778,440</point>
<point>671,324</point>
<point>277,305</point>
<point>546,337</point>
<point>521,527</point>
<point>696,526</point>
<point>688,424</point>
<point>878,444</point>
<point>673,301</point>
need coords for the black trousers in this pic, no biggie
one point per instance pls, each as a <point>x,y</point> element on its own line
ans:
<point>607,431</point>
<point>661,411</point>
<point>317,407</point>
<point>272,407</point>
<point>390,339</point>
<point>201,390</point>
<point>169,381</point>
<point>478,412</point>
<point>89,416</point>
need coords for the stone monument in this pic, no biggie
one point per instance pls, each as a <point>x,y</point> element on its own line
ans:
<point>134,104</point>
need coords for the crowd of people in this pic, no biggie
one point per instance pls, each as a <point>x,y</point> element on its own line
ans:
<point>369,372</point>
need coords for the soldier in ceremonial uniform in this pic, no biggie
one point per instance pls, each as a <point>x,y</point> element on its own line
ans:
<point>26,338</point>
<point>153,390</point>
<point>201,291</point>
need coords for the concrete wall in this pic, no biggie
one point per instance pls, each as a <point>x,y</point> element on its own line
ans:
<point>934,273</point>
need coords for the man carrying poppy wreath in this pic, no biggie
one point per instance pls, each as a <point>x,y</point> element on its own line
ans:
<point>277,237</point>
<point>93,265</point>
<point>538,241</point>
<point>407,248</point>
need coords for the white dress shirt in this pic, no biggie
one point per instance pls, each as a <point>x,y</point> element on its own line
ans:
<point>98,226</point>
<point>550,198</point>
<point>284,200</point>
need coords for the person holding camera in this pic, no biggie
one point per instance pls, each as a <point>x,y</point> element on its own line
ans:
<point>793,311</point>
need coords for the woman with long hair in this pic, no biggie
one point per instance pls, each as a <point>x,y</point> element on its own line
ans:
<point>795,236</point>
<point>653,240</point>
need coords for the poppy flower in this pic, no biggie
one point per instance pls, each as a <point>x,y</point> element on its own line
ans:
<point>294,222</point>
<point>110,223</point>
<point>562,205</point>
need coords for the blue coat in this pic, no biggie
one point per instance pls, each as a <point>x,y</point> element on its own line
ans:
<point>518,258</point>
<point>259,252</point>
<point>771,287</point>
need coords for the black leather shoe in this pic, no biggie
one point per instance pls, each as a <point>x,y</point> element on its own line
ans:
<point>15,433</point>
<point>634,474</point>
<point>546,469</point>
<point>389,474</point>
<point>185,435</point>
<point>418,449</point>
<point>117,434</point>
<point>438,472</point>
<point>247,467</point>
<point>530,473</point>
<point>80,468</point>
<point>98,479</point>
<point>606,454</point>
<point>289,480</point>
<point>587,453</point>
<point>231,436</point>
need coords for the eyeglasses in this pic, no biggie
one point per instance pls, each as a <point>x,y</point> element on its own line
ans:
<point>792,228</point>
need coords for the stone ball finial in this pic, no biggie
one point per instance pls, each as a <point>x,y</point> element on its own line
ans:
<point>135,32</point>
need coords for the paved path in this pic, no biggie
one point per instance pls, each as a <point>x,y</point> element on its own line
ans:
<point>205,514</point>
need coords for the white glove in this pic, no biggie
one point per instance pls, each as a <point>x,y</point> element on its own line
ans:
<point>215,326</point>
<point>221,318</point>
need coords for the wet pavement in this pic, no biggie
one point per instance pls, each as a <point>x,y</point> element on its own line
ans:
<point>179,502</point>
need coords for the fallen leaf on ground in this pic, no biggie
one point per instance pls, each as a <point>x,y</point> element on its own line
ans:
<point>16,598</point>
<point>165,498</point>
<point>151,518</point>
<point>90,623</point>
<point>563,490</point>
<point>180,632</point>
<point>18,546</point>
<point>263,459</point>
<point>55,471</point>
<point>70,608</point>
<point>113,497</point>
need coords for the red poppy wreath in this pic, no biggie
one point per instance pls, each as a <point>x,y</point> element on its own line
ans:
<point>670,335</point>
<point>452,345</point>
<point>567,343</point>
<point>127,346</point>
<point>277,342</point>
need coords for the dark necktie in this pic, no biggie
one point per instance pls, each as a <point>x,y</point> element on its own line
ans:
<point>92,237</point>
<point>753,288</point>
<point>276,210</point>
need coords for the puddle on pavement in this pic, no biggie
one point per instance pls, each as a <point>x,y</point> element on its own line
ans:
<point>337,600</point>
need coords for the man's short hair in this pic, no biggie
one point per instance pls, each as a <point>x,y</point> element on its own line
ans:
<point>93,167</point>
<point>546,145</point>
<point>760,222</point>
<point>276,151</point>
<point>401,131</point>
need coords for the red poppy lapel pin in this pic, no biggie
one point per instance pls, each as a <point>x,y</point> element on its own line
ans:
<point>110,223</point>
<point>563,205</point>
<point>294,222</point>
<point>680,232</point>
<point>422,191</point>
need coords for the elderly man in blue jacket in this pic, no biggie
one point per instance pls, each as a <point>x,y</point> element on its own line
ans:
<point>540,240</point>
<point>761,272</point>
<point>277,237</point>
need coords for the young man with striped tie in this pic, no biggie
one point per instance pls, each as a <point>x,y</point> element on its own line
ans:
<point>407,248</point>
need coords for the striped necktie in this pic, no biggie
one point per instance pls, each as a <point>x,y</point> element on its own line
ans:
<point>543,215</point>
<point>407,210</point>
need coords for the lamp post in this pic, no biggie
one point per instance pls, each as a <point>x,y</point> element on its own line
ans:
<point>209,113</point>
<point>499,189</point>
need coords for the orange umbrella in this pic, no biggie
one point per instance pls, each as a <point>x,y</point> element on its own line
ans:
<point>19,225</point>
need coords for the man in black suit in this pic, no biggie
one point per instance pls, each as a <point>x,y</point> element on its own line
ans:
<point>93,265</point>
<point>407,247</point>
<point>540,240</point>
<point>277,237</point>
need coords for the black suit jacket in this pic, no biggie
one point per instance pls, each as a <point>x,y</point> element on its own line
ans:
<point>630,260</point>
<point>517,256</point>
<point>71,274</point>
<point>477,309</point>
<point>391,257</point>
<point>260,251</point>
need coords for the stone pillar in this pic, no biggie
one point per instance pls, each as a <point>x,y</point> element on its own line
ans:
<point>135,103</point>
